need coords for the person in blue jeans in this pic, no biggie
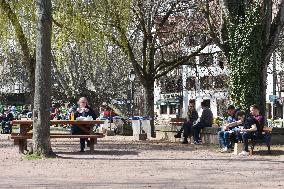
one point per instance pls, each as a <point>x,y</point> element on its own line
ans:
<point>224,135</point>
<point>205,120</point>
<point>252,126</point>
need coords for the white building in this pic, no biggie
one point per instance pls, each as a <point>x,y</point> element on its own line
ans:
<point>207,81</point>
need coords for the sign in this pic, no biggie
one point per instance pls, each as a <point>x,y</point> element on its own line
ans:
<point>282,82</point>
<point>272,98</point>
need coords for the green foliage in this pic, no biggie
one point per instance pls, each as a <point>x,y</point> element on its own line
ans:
<point>32,157</point>
<point>245,58</point>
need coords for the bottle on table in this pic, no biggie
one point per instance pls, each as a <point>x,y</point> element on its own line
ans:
<point>72,116</point>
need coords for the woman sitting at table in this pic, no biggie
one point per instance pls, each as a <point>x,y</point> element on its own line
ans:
<point>82,111</point>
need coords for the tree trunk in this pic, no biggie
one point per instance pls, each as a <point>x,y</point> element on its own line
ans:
<point>149,104</point>
<point>42,97</point>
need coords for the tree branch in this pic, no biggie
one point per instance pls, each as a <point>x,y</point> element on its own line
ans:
<point>169,66</point>
<point>276,27</point>
<point>18,30</point>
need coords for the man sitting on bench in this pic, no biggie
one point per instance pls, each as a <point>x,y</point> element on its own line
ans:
<point>225,134</point>
<point>206,120</point>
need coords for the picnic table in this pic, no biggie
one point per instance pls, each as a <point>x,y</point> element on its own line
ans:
<point>26,127</point>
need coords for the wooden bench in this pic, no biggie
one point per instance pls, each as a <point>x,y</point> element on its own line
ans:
<point>266,138</point>
<point>176,122</point>
<point>20,140</point>
<point>26,127</point>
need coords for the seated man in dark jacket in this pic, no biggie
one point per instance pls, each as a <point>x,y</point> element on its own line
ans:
<point>83,111</point>
<point>252,128</point>
<point>206,120</point>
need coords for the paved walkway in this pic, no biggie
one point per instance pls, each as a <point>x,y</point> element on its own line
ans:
<point>120,162</point>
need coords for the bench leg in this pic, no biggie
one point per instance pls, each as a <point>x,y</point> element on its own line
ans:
<point>22,145</point>
<point>93,141</point>
<point>252,148</point>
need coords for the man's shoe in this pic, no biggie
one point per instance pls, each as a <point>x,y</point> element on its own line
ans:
<point>197,143</point>
<point>225,150</point>
<point>82,150</point>
<point>185,142</point>
<point>178,135</point>
<point>244,153</point>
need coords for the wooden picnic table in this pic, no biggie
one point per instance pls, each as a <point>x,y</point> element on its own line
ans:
<point>85,125</point>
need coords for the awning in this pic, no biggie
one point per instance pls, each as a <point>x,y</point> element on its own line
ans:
<point>168,102</point>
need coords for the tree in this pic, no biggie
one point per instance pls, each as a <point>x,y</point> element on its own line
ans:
<point>42,100</point>
<point>10,14</point>
<point>151,34</point>
<point>248,33</point>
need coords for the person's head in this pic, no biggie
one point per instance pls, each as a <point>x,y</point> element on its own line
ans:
<point>203,104</point>
<point>191,106</point>
<point>82,102</point>
<point>241,115</point>
<point>231,110</point>
<point>254,110</point>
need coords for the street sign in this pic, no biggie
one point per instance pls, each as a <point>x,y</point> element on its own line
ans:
<point>272,98</point>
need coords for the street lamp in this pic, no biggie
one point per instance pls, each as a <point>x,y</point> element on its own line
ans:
<point>131,77</point>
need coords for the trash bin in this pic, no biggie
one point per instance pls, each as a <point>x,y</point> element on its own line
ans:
<point>136,123</point>
<point>146,126</point>
<point>118,125</point>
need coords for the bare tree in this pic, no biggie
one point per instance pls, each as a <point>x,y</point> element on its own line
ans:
<point>152,34</point>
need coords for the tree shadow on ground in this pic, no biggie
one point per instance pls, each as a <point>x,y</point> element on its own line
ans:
<point>99,152</point>
<point>265,153</point>
<point>159,159</point>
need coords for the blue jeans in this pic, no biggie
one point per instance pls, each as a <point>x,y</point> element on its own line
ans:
<point>224,138</point>
<point>196,130</point>
<point>246,136</point>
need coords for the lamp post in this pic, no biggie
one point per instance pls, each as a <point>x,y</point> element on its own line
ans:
<point>131,77</point>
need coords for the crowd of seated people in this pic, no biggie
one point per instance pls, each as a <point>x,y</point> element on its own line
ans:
<point>238,126</point>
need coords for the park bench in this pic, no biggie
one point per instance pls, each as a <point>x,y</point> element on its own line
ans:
<point>266,138</point>
<point>175,123</point>
<point>168,131</point>
<point>25,133</point>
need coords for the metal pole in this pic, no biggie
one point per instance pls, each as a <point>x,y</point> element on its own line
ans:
<point>132,99</point>
<point>274,84</point>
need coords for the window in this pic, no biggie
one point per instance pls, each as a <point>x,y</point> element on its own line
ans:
<point>206,82</point>
<point>172,109</point>
<point>163,109</point>
<point>221,82</point>
<point>190,84</point>
<point>206,60</point>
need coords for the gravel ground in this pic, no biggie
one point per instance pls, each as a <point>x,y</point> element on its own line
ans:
<point>120,162</point>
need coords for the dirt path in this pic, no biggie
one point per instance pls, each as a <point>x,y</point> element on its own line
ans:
<point>119,162</point>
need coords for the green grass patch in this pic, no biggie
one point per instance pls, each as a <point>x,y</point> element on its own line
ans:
<point>32,157</point>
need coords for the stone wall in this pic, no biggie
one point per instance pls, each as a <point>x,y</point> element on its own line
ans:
<point>209,135</point>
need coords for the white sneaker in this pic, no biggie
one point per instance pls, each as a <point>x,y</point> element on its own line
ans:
<point>224,150</point>
<point>244,153</point>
